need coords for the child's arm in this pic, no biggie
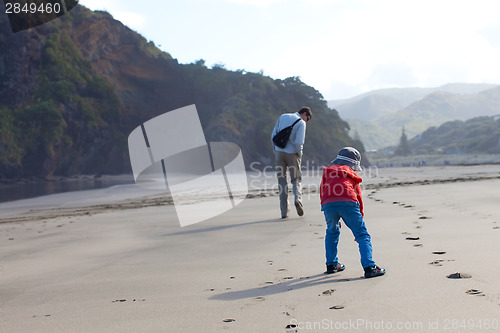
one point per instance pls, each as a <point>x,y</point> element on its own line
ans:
<point>323,182</point>
<point>360,199</point>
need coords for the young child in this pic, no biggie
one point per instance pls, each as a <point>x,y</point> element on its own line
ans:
<point>340,194</point>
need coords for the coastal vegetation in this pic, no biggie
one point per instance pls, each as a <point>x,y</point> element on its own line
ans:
<point>73,89</point>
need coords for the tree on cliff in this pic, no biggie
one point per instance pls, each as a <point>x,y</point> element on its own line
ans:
<point>403,148</point>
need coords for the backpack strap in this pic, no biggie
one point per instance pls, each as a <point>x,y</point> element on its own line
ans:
<point>296,122</point>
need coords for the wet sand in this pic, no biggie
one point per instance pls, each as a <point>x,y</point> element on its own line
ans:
<point>126,265</point>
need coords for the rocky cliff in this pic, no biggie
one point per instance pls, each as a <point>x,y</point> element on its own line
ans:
<point>73,89</point>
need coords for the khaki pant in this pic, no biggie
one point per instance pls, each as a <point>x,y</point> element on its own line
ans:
<point>288,162</point>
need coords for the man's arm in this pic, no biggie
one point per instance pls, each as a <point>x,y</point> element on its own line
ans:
<point>274,132</point>
<point>300,136</point>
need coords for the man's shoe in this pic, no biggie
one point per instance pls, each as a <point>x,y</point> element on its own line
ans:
<point>374,271</point>
<point>300,209</point>
<point>330,269</point>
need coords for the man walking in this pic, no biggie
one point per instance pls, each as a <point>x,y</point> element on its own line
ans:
<point>290,157</point>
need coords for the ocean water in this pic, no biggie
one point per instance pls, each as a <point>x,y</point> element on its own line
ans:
<point>89,192</point>
<point>32,189</point>
<point>118,187</point>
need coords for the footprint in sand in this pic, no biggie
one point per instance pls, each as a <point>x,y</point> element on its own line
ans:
<point>328,292</point>
<point>459,275</point>
<point>437,262</point>
<point>418,225</point>
<point>438,252</point>
<point>425,218</point>
<point>475,292</point>
<point>47,315</point>
<point>344,280</point>
<point>418,245</point>
<point>413,238</point>
<point>337,307</point>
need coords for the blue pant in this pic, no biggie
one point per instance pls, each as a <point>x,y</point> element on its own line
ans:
<point>350,214</point>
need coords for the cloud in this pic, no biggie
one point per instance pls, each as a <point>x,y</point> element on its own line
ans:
<point>131,20</point>
<point>394,74</point>
<point>97,4</point>
<point>335,46</point>
<point>396,43</point>
<point>492,34</point>
<point>119,11</point>
<point>258,3</point>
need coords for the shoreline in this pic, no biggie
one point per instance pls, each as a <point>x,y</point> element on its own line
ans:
<point>21,189</point>
<point>127,179</point>
<point>461,174</point>
<point>56,178</point>
<point>466,159</point>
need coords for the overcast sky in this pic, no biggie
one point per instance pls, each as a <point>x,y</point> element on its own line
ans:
<point>340,47</point>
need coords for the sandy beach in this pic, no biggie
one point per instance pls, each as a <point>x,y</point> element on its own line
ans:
<point>97,262</point>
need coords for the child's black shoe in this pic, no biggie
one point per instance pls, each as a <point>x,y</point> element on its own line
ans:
<point>330,269</point>
<point>374,271</point>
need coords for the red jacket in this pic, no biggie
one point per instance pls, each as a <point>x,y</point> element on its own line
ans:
<point>340,183</point>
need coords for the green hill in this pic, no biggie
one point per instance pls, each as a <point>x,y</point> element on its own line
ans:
<point>406,96</point>
<point>473,136</point>
<point>73,89</point>
<point>370,107</point>
<point>433,109</point>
